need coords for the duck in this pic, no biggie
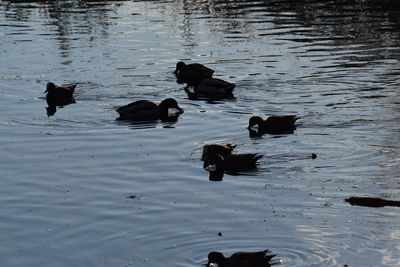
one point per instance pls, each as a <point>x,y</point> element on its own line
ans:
<point>275,124</point>
<point>59,95</point>
<point>146,110</point>
<point>192,73</point>
<point>241,259</point>
<point>221,149</point>
<point>211,88</point>
<point>372,202</point>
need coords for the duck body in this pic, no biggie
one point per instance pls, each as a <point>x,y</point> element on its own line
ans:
<point>276,124</point>
<point>234,163</point>
<point>220,149</point>
<point>60,95</point>
<point>192,73</point>
<point>143,110</point>
<point>372,202</point>
<point>211,88</point>
<point>241,259</point>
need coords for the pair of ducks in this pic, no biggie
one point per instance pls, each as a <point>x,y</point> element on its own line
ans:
<point>62,95</point>
<point>200,82</point>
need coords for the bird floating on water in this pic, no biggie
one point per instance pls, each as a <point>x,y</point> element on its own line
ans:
<point>241,259</point>
<point>276,124</point>
<point>192,73</point>
<point>143,110</point>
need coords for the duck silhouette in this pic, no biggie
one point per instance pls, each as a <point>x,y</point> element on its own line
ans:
<point>276,124</point>
<point>144,110</point>
<point>60,95</point>
<point>192,73</point>
<point>210,88</point>
<point>241,259</point>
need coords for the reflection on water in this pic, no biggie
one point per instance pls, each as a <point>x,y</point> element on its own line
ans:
<point>66,177</point>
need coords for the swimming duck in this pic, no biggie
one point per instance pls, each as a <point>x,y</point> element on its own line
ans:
<point>192,73</point>
<point>146,110</point>
<point>241,259</point>
<point>276,124</point>
<point>221,149</point>
<point>59,95</point>
<point>372,202</point>
<point>211,87</point>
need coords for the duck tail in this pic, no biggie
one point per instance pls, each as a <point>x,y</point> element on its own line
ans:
<point>257,157</point>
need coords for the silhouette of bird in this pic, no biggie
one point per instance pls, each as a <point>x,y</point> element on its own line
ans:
<point>276,124</point>
<point>241,259</point>
<point>211,88</point>
<point>192,73</point>
<point>146,110</point>
<point>59,95</point>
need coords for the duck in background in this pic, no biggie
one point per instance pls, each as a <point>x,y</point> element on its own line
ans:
<point>59,96</point>
<point>144,110</point>
<point>276,124</point>
<point>241,259</point>
<point>211,88</point>
<point>192,73</point>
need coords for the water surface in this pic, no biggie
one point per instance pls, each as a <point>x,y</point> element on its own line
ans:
<point>66,178</point>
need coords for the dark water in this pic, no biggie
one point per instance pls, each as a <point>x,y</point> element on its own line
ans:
<point>65,179</point>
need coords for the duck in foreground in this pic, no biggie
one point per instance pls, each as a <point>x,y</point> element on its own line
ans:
<point>210,88</point>
<point>192,73</point>
<point>143,110</point>
<point>276,124</point>
<point>241,259</point>
<point>60,95</point>
<point>231,164</point>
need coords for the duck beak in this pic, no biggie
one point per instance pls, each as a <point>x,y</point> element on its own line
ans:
<point>211,168</point>
<point>253,128</point>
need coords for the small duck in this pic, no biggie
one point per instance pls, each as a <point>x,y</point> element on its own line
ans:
<point>192,73</point>
<point>211,88</point>
<point>146,110</point>
<point>221,149</point>
<point>276,124</point>
<point>59,95</point>
<point>231,164</point>
<point>241,259</point>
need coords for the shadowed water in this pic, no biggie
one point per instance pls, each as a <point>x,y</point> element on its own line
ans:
<point>66,179</point>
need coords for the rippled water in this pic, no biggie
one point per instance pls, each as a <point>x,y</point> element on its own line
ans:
<point>66,179</point>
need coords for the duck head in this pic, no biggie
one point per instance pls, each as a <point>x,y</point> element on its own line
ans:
<point>255,121</point>
<point>214,165</point>
<point>180,65</point>
<point>215,257</point>
<point>170,103</point>
<point>50,87</point>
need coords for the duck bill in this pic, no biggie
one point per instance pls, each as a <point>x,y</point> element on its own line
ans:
<point>211,168</point>
<point>253,128</point>
<point>174,111</point>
